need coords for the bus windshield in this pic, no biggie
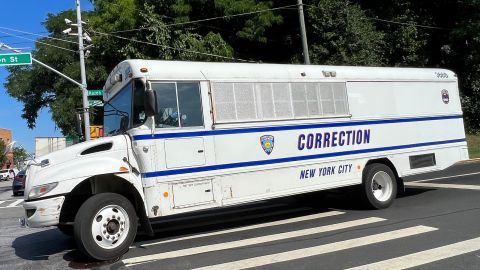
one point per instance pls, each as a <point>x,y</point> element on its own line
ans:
<point>116,115</point>
<point>125,110</point>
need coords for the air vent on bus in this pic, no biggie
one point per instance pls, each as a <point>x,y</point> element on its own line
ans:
<point>422,161</point>
<point>97,148</point>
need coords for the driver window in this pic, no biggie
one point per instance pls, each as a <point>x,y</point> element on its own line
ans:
<point>167,109</point>
<point>178,105</point>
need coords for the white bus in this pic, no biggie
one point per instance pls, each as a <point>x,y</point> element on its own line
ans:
<point>189,136</point>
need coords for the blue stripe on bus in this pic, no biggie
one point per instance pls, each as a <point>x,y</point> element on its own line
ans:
<point>289,127</point>
<point>292,159</point>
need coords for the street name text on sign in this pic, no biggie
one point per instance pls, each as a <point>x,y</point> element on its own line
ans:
<point>12,59</point>
<point>94,93</point>
<point>95,103</point>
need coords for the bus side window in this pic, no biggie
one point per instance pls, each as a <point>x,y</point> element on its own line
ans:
<point>190,105</point>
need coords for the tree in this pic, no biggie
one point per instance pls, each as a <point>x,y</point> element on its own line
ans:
<point>341,34</point>
<point>20,155</point>
<point>3,155</point>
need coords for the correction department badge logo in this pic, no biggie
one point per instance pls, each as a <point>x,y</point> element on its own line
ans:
<point>267,142</point>
<point>445,96</point>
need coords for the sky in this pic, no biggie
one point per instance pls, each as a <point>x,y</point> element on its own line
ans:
<point>27,16</point>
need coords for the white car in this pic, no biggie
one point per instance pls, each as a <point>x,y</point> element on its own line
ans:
<point>8,174</point>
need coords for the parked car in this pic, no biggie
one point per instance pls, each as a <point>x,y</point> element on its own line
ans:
<point>7,174</point>
<point>18,185</point>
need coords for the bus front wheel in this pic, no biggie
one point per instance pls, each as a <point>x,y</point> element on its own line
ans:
<point>105,226</point>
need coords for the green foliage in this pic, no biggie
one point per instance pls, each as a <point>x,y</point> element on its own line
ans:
<point>254,26</point>
<point>341,34</point>
<point>473,142</point>
<point>3,157</point>
<point>19,156</point>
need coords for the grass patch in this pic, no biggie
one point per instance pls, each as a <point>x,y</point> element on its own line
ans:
<point>474,145</point>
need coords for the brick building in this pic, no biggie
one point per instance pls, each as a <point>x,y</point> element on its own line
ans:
<point>6,136</point>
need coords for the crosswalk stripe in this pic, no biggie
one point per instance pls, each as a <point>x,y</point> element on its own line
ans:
<point>2,202</point>
<point>434,185</point>
<point>424,257</point>
<point>319,250</point>
<point>250,241</point>
<point>15,203</point>
<point>251,227</point>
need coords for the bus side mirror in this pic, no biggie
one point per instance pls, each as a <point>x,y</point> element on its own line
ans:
<point>150,101</point>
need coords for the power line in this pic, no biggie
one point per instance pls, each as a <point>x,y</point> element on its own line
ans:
<point>40,42</point>
<point>208,19</point>
<point>395,22</point>
<point>23,35</point>
<point>38,35</point>
<point>409,24</point>
<point>171,48</point>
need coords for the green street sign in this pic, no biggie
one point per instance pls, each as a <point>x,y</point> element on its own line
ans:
<point>12,59</point>
<point>95,103</point>
<point>95,93</point>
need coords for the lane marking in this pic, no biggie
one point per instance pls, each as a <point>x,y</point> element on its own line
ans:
<point>321,249</point>
<point>251,227</point>
<point>434,185</point>
<point>250,241</point>
<point>445,177</point>
<point>424,257</point>
<point>2,202</point>
<point>15,203</point>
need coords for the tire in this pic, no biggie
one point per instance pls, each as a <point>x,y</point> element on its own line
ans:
<point>15,194</point>
<point>379,186</point>
<point>66,229</point>
<point>105,226</point>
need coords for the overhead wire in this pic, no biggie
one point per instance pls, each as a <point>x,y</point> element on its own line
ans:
<point>395,22</point>
<point>112,34</point>
<point>38,35</point>
<point>170,47</point>
<point>40,42</point>
<point>23,35</point>
<point>208,19</point>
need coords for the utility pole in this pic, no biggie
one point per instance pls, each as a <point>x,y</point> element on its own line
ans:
<point>86,113</point>
<point>306,57</point>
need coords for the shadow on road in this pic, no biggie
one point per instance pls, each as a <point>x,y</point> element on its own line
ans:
<point>79,261</point>
<point>409,191</point>
<point>41,245</point>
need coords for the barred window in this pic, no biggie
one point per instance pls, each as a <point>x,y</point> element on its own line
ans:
<point>243,102</point>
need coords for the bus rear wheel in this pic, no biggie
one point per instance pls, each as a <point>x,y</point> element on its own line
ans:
<point>379,185</point>
<point>105,226</point>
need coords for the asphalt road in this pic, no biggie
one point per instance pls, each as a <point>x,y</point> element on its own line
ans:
<point>433,225</point>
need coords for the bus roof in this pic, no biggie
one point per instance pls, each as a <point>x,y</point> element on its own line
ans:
<point>196,71</point>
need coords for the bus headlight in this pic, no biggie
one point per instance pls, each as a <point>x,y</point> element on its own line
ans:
<point>41,190</point>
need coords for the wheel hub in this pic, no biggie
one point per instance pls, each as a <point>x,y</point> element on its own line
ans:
<point>110,226</point>
<point>382,186</point>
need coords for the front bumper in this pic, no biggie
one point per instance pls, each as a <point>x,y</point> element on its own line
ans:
<point>43,213</point>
